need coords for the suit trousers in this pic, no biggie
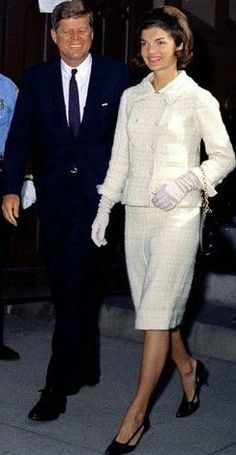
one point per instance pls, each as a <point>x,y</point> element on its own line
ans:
<point>73,264</point>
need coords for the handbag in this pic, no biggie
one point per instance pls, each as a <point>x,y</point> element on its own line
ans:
<point>217,238</point>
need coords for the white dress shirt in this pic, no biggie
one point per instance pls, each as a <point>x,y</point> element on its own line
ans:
<point>82,78</point>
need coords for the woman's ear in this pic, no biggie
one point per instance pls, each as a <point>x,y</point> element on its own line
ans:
<point>180,47</point>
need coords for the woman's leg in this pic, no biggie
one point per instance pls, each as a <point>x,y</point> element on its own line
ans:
<point>155,350</point>
<point>185,363</point>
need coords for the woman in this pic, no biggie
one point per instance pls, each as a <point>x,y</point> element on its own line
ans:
<point>155,171</point>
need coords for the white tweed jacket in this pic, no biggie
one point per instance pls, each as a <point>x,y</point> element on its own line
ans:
<point>146,152</point>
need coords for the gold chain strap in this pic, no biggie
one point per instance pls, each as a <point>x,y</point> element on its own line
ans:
<point>205,198</point>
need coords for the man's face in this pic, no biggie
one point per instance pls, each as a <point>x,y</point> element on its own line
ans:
<point>73,38</point>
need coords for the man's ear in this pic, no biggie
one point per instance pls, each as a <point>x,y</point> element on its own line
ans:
<point>54,35</point>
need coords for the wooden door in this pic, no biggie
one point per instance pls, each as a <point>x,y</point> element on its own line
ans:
<point>25,41</point>
<point>214,67</point>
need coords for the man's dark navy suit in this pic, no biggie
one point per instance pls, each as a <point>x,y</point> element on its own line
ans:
<point>67,171</point>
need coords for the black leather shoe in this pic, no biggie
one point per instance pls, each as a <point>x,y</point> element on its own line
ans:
<point>186,407</point>
<point>119,448</point>
<point>92,381</point>
<point>7,353</point>
<point>49,407</point>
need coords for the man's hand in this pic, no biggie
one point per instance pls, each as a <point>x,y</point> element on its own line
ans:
<point>10,208</point>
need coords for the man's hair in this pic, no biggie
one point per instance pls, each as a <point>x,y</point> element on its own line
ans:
<point>71,9</point>
<point>176,23</point>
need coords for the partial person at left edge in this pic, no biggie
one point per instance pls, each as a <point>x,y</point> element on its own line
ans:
<point>8,95</point>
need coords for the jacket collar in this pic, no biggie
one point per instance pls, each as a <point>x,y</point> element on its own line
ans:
<point>170,92</point>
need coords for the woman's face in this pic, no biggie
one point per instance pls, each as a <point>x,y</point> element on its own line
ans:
<point>158,49</point>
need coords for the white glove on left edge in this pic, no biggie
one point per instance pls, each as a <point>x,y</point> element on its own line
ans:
<point>101,221</point>
<point>28,194</point>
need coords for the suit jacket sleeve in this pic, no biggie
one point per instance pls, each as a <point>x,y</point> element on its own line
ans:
<point>221,157</point>
<point>114,182</point>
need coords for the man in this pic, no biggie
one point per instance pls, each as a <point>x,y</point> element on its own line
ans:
<point>8,95</point>
<point>71,144</point>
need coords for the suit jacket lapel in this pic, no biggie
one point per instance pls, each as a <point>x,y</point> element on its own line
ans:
<point>58,96</point>
<point>93,96</point>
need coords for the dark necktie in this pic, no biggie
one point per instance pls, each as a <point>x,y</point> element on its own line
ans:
<point>74,110</point>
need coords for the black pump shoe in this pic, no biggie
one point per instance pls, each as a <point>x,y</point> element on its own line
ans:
<point>186,407</point>
<point>119,448</point>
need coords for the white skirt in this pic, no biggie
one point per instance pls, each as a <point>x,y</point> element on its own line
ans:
<point>161,249</point>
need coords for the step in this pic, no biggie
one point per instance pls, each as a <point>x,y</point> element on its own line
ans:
<point>210,319</point>
<point>212,334</point>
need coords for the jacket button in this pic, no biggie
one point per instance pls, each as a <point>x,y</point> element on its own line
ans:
<point>74,170</point>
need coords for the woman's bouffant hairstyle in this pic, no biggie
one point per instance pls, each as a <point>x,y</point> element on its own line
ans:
<point>71,9</point>
<point>173,21</point>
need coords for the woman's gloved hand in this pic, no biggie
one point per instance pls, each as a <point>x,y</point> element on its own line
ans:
<point>172,191</point>
<point>101,221</point>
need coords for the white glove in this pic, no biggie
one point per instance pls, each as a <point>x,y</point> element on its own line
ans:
<point>28,194</point>
<point>172,191</point>
<point>101,221</point>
